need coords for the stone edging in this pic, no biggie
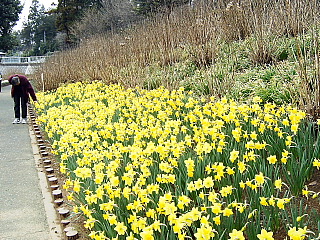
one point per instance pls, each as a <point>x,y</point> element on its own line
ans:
<point>50,187</point>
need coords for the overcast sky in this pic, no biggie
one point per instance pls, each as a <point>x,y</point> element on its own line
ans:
<point>25,12</point>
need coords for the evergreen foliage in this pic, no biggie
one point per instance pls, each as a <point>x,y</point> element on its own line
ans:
<point>39,31</point>
<point>146,7</point>
<point>10,10</point>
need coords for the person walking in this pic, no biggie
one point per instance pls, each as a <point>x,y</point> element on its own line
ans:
<point>20,91</point>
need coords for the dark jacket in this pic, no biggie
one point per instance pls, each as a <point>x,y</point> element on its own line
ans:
<point>25,86</point>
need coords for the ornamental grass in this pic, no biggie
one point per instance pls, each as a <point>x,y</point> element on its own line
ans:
<point>163,164</point>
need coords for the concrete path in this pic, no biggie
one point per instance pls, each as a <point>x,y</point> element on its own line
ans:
<point>23,204</point>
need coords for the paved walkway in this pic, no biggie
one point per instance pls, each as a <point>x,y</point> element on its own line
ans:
<point>23,210</point>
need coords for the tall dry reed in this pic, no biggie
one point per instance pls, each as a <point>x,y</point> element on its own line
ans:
<point>188,33</point>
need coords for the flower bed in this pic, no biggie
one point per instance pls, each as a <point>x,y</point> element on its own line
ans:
<point>165,165</point>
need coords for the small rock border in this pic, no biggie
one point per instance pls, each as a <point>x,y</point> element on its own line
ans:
<point>52,172</point>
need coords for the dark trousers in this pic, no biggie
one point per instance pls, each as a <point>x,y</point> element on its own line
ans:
<point>20,101</point>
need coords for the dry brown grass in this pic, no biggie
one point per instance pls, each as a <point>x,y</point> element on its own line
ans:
<point>188,33</point>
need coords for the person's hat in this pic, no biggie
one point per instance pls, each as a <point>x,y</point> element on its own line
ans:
<point>15,81</point>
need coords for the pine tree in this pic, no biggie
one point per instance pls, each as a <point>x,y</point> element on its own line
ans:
<point>9,15</point>
<point>39,31</point>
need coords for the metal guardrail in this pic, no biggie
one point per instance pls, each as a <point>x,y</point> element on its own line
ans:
<point>22,60</point>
